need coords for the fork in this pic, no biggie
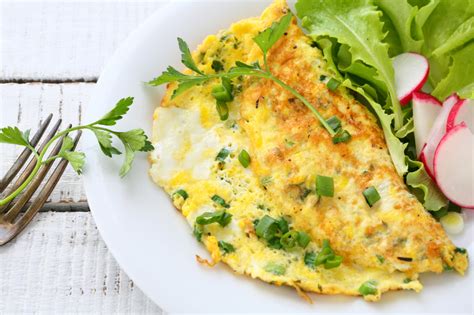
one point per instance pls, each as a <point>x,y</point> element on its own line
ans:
<point>12,219</point>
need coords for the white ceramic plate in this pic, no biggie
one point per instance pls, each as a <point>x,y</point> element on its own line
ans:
<point>151,240</point>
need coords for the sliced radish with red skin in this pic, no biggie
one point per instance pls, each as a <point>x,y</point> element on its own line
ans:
<point>454,166</point>
<point>436,134</point>
<point>451,100</point>
<point>411,71</point>
<point>463,111</point>
<point>425,110</point>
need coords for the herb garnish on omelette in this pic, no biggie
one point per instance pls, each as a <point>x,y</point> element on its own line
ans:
<point>282,174</point>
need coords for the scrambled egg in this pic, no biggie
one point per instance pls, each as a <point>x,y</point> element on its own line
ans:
<point>389,243</point>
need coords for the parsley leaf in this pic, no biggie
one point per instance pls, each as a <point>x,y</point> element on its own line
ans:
<point>76,159</point>
<point>170,75</point>
<point>133,140</point>
<point>120,109</point>
<point>186,57</point>
<point>13,135</point>
<point>266,39</point>
<point>105,142</point>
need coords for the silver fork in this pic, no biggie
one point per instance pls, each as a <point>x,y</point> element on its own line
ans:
<point>12,219</point>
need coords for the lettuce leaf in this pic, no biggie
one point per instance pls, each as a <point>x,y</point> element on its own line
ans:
<point>355,23</point>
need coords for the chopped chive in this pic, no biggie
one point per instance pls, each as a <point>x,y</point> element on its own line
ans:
<point>447,268</point>
<point>303,239</point>
<point>221,217</point>
<point>226,247</point>
<point>460,250</point>
<point>182,193</point>
<point>368,288</point>
<point>324,186</point>
<point>334,123</point>
<point>222,155</point>
<point>380,258</point>
<point>274,243</point>
<point>197,231</point>
<point>220,201</point>
<point>341,136</point>
<point>223,92</point>
<point>407,280</point>
<point>333,262</point>
<point>289,239</point>
<point>217,66</point>
<point>283,225</point>
<point>266,227</point>
<point>310,259</point>
<point>322,77</point>
<point>244,158</point>
<point>222,110</point>
<point>276,269</point>
<point>325,253</point>
<point>333,84</point>
<point>371,195</point>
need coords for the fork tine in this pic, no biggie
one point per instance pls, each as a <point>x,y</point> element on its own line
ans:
<point>31,165</point>
<point>12,213</point>
<point>41,199</point>
<point>23,157</point>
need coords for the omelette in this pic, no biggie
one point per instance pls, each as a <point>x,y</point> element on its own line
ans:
<point>246,185</point>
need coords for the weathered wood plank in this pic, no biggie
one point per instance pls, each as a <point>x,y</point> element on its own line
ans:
<point>26,105</point>
<point>64,39</point>
<point>61,265</point>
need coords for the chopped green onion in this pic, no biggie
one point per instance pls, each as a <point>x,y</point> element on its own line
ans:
<point>407,280</point>
<point>380,258</point>
<point>222,110</point>
<point>334,123</point>
<point>217,66</point>
<point>182,193</point>
<point>244,158</point>
<point>266,180</point>
<point>333,84</point>
<point>222,155</point>
<point>303,239</point>
<point>371,195</point>
<point>368,288</point>
<point>310,259</point>
<point>333,262</point>
<point>266,227</point>
<point>220,201</point>
<point>223,92</point>
<point>322,77</point>
<point>289,239</point>
<point>460,250</point>
<point>197,231</point>
<point>323,255</point>
<point>276,269</point>
<point>341,136</point>
<point>274,243</point>
<point>324,186</point>
<point>283,225</point>
<point>226,247</point>
<point>221,217</point>
<point>447,268</point>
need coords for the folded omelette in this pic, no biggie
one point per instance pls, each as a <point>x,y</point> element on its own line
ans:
<point>231,199</point>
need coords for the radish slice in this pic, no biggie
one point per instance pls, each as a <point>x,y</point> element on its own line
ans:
<point>425,110</point>
<point>453,223</point>
<point>463,111</point>
<point>437,132</point>
<point>454,166</point>
<point>411,72</point>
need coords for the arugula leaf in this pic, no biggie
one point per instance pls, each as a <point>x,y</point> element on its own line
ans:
<point>431,197</point>
<point>267,38</point>
<point>13,135</point>
<point>357,24</point>
<point>105,142</point>
<point>76,159</point>
<point>117,113</point>
<point>186,57</point>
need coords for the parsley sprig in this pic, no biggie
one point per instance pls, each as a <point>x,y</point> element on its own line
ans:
<point>133,141</point>
<point>265,40</point>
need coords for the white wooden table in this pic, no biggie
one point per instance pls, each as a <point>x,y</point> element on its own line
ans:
<point>51,56</point>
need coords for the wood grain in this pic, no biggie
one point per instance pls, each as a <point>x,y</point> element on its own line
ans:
<point>61,265</point>
<point>65,40</point>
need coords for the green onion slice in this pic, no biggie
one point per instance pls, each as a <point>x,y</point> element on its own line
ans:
<point>289,239</point>
<point>333,262</point>
<point>217,66</point>
<point>222,155</point>
<point>182,193</point>
<point>222,110</point>
<point>333,84</point>
<point>197,232</point>
<point>310,259</point>
<point>221,217</point>
<point>276,269</point>
<point>341,136</point>
<point>380,258</point>
<point>371,195</point>
<point>244,158</point>
<point>324,186</point>
<point>220,201</point>
<point>334,123</point>
<point>303,239</point>
<point>226,247</point>
<point>368,288</point>
<point>266,227</point>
